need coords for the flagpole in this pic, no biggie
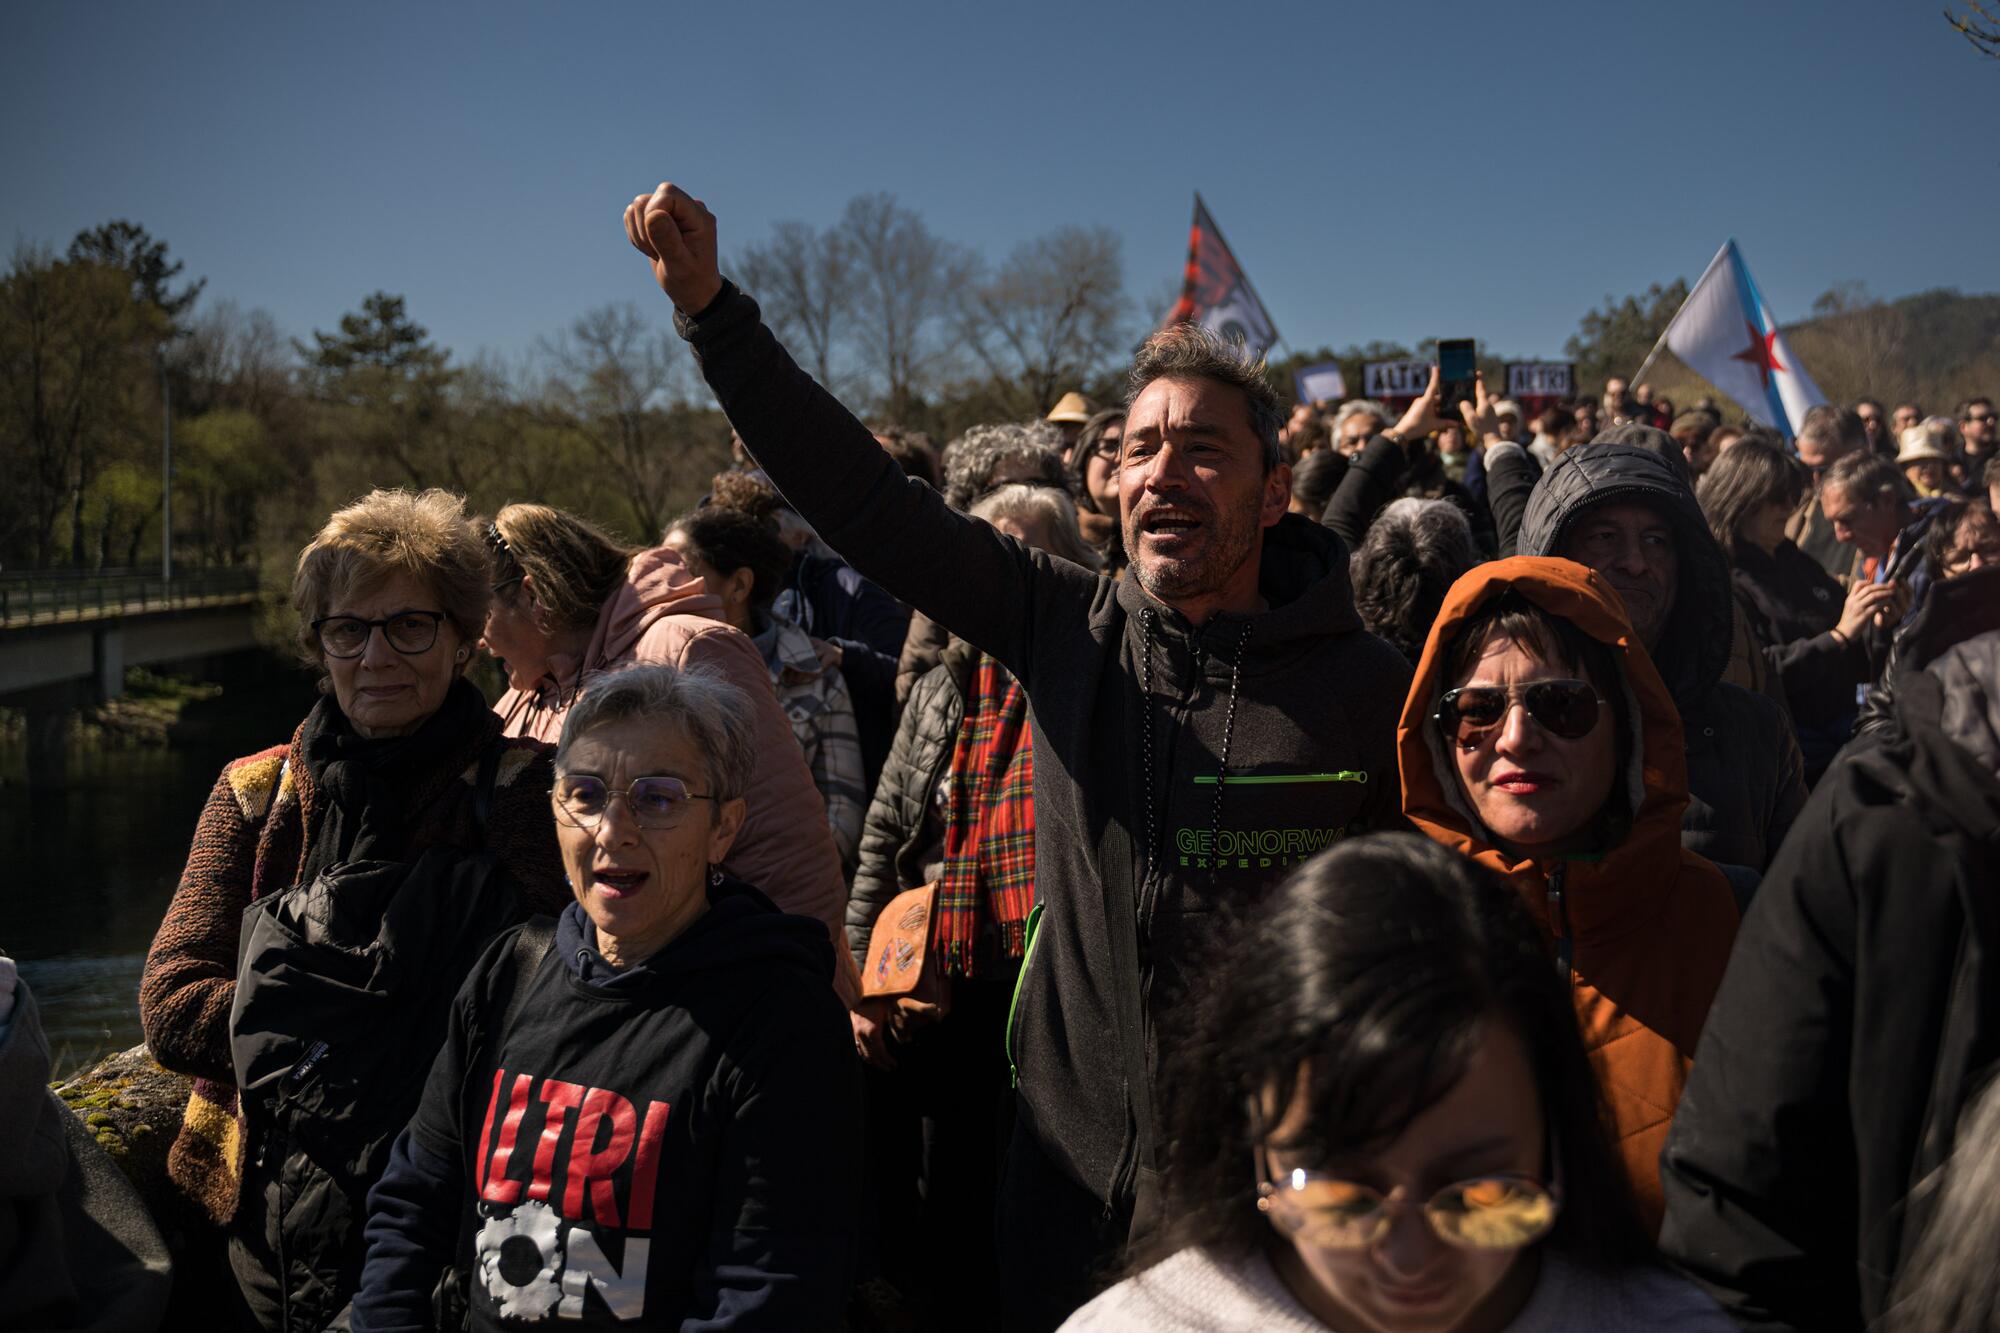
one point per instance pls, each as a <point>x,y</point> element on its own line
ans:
<point>1652,356</point>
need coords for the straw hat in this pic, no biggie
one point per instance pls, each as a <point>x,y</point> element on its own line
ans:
<point>1072,407</point>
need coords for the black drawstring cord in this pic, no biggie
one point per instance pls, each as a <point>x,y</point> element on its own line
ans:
<point>1222,769</point>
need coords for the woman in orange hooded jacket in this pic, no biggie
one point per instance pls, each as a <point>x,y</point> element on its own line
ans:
<point>1539,740</point>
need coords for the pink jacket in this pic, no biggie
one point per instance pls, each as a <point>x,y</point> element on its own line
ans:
<point>663,614</point>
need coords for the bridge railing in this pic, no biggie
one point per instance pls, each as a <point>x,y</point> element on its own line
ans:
<point>53,596</point>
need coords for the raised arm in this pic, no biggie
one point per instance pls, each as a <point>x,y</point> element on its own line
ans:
<point>1375,477</point>
<point>981,585</point>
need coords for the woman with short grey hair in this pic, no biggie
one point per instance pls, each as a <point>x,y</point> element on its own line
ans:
<point>1042,517</point>
<point>684,1023</point>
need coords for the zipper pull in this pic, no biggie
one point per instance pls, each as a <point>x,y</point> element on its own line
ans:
<point>1559,924</point>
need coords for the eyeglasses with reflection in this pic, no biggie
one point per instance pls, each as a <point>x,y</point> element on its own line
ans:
<point>408,632</point>
<point>1504,1211</point>
<point>1564,708</point>
<point>655,802</point>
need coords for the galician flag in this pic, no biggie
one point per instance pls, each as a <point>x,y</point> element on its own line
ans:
<point>1725,333</point>
<point>1214,292</point>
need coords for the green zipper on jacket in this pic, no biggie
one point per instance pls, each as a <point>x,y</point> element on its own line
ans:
<point>1029,934</point>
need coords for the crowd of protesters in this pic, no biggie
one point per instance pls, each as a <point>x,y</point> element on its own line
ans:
<point>1175,865</point>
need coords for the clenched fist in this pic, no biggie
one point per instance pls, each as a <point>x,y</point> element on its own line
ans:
<point>677,232</point>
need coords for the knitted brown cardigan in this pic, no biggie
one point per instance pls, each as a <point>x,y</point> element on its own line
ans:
<point>251,840</point>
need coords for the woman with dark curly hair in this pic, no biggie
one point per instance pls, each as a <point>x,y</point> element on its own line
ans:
<point>1386,1120</point>
<point>1413,553</point>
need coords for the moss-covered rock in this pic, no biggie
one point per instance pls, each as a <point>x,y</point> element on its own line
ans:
<point>133,1109</point>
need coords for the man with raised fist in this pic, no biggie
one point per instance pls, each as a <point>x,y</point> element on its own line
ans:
<point>1199,728</point>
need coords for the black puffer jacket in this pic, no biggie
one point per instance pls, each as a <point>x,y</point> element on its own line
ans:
<point>1859,1014</point>
<point>902,840</point>
<point>1745,774</point>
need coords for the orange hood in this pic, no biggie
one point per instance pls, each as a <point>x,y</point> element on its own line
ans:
<point>1630,882</point>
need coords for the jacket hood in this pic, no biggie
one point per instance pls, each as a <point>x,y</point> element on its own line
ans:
<point>657,585</point>
<point>1628,883</point>
<point>1693,651</point>
<point>1946,688</point>
<point>742,928</point>
<point>1303,577</point>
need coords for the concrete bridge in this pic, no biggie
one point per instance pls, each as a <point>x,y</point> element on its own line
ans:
<point>67,638</point>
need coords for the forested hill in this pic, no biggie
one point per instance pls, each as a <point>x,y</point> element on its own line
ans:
<point>1934,349</point>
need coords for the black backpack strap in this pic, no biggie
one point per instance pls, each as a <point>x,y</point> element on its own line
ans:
<point>537,937</point>
<point>1121,907</point>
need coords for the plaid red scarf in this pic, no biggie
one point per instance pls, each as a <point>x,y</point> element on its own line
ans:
<point>989,831</point>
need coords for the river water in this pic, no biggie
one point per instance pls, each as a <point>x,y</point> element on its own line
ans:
<point>86,872</point>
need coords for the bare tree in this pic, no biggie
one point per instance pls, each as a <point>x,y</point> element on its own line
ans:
<point>1856,345</point>
<point>1979,24</point>
<point>804,279</point>
<point>906,278</point>
<point>235,358</point>
<point>614,381</point>
<point>1048,318</point>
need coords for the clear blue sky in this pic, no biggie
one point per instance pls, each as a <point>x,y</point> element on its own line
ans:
<point>1389,171</point>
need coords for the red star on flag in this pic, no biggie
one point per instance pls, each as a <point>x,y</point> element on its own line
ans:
<point>1761,353</point>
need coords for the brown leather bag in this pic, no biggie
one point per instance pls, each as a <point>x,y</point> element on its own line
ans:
<point>900,966</point>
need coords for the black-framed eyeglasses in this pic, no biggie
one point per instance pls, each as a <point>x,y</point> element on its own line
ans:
<point>1975,418</point>
<point>1564,708</point>
<point>655,802</point>
<point>408,632</point>
<point>1503,1211</point>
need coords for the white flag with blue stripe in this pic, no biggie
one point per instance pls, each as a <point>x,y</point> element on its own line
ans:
<point>1725,333</point>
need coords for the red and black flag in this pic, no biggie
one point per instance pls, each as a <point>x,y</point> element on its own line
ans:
<point>1216,294</point>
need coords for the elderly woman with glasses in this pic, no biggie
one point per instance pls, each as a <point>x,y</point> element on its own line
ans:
<point>1385,1120</point>
<point>1539,740</point>
<point>646,1112</point>
<point>400,761</point>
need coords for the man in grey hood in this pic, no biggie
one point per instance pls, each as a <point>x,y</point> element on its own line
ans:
<point>1623,506</point>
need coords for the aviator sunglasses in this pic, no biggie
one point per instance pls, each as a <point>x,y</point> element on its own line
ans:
<point>1563,708</point>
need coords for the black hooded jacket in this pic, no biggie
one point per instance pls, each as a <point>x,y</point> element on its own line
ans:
<point>671,1145</point>
<point>1745,774</point>
<point>1861,1008</point>
<point>1137,715</point>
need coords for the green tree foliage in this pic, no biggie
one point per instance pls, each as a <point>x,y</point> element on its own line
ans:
<point>384,384</point>
<point>224,461</point>
<point>76,375</point>
<point>1616,339</point>
<point>127,245</point>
